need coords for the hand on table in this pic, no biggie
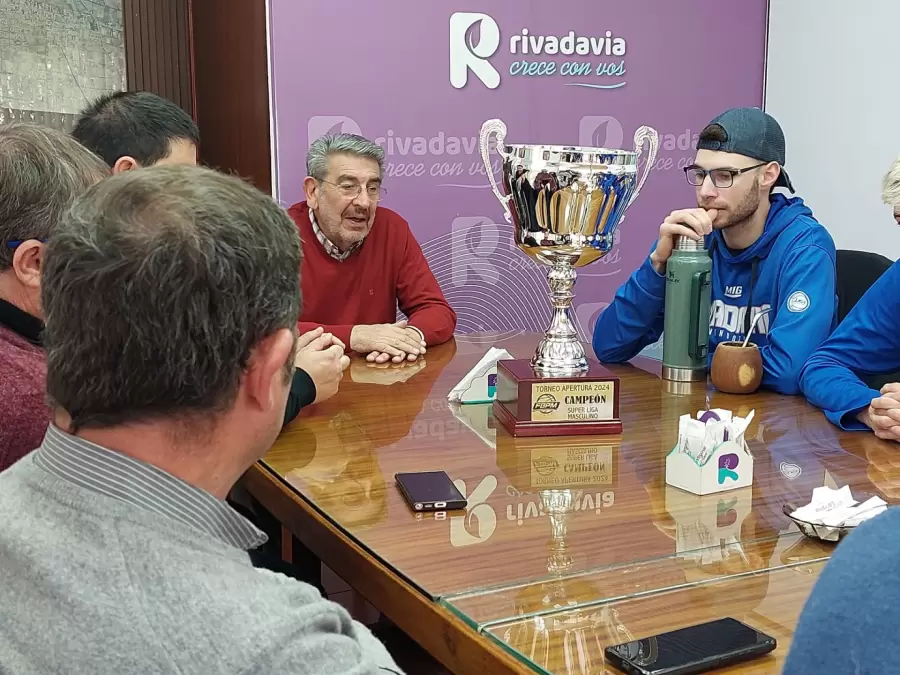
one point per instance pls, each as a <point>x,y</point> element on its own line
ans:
<point>321,355</point>
<point>387,342</point>
<point>883,413</point>
<point>692,223</point>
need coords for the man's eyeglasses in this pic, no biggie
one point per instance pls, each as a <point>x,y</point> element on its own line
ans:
<point>352,190</point>
<point>721,178</point>
<point>15,243</point>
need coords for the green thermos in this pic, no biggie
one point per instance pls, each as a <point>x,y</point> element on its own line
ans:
<point>686,331</point>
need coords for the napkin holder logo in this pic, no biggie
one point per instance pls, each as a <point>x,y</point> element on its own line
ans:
<point>729,467</point>
<point>708,526</point>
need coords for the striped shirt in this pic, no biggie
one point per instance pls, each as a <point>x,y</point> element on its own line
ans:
<point>115,475</point>
<point>329,247</point>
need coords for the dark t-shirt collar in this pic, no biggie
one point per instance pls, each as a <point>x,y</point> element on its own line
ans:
<point>21,322</point>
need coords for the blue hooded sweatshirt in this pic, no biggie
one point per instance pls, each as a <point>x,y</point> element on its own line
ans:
<point>790,270</point>
<point>866,343</point>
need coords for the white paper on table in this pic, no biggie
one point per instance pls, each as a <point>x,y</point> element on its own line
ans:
<point>824,501</point>
<point>476,379</point>
<point>859,513</point>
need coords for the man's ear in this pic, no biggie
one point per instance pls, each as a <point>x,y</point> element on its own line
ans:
<point>264,379</point>
<point>125,163</point>
<point>311,187</point>
<point>27,262</point>
<point>770,175</point>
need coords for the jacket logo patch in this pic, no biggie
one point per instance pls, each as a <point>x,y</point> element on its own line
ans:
<point>789,470</point>
<point>798,302</point>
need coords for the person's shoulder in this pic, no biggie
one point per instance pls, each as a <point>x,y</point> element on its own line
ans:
<point>869,552</point>
<point>392,220</point>
<point>299,212</point>
<point>808,232</point>
<point>23,367</point>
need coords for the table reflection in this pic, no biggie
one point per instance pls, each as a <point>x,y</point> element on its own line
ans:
<point>572,641</point>
<point>577,631</point>
<point>346,482</point>
<point>626,531</point>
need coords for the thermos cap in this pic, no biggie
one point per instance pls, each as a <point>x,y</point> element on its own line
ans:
<point>683,243</point>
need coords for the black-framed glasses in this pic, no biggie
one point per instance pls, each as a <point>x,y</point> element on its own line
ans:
<point>15,243</point>
<point>721,178</point>
<point>352,190</point>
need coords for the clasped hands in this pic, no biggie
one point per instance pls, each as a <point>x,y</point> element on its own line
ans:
<point>396,342</point>
<point>883,413</point>
<point>322,356</point>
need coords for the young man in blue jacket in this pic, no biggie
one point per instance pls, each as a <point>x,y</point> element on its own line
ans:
<point>768,253</point>
<point>866,344</point>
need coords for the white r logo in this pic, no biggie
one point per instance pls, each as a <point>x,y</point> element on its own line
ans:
<point>474,37</point>
<point>477,510</point>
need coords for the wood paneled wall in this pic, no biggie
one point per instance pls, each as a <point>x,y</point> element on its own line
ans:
<point>232,87</point>
<point>158,49</point>
<point>210,57</point>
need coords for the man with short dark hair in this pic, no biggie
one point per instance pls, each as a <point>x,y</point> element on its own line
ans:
<point>116,531</point>
<point>768,254</point>
<point>132,129</point>
<point>41,172</point>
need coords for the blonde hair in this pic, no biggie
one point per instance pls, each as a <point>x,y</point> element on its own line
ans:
<point>891,187</point>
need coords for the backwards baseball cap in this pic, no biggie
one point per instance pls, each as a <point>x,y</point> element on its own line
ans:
<point>753,133</point>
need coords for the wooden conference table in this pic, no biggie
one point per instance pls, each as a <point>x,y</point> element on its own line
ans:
<point>505,587</point>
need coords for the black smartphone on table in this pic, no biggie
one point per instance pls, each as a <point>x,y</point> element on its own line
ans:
<point>430,491</point>
<point>695,649</point>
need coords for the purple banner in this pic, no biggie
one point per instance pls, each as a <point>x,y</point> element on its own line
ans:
<point>420,78</point>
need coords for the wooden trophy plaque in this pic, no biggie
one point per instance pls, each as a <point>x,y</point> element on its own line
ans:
<point>528,404</point>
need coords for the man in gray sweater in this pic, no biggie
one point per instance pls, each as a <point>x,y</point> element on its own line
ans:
<point>117,549</point>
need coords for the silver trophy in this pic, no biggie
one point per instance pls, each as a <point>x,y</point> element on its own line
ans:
<point>567,203</point>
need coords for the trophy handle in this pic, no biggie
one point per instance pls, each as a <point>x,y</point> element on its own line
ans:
<point>498,128</point>
<point>642,135</point>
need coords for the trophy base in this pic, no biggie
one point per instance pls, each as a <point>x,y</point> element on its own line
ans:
<point>528,404</point>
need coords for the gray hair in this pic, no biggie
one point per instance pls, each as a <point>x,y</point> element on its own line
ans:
<point>42,170</point>
<point>340,144</point>
<point>891,186</point>
<point>157,286</point>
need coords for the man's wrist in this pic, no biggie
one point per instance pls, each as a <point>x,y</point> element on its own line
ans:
<point>863,417</point>
<point>421,334</point>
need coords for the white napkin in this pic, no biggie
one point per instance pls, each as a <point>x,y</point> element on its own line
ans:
<point>700,439</point>
<point>830,509</point>
<point>481,369</point>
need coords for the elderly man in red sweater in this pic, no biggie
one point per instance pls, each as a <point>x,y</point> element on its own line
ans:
<point>42,171</point>
<point>360,260</point>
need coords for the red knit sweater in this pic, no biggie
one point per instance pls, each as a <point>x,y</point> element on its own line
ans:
<point>388,271</point>
<point>24,414</point>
